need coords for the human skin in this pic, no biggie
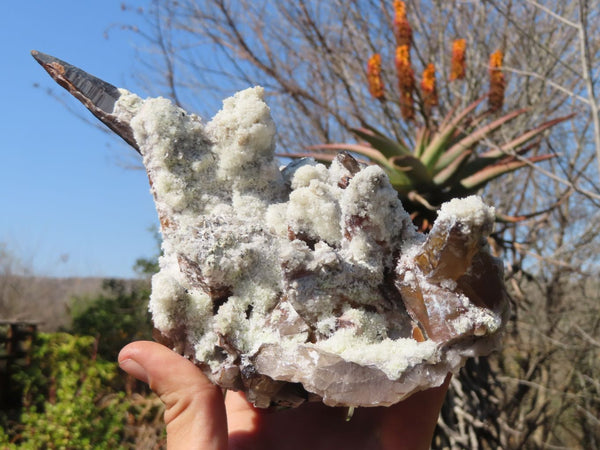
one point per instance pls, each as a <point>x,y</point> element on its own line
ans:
<point>198,417</point>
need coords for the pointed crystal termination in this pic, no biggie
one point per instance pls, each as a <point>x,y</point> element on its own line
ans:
<point>98,96</point>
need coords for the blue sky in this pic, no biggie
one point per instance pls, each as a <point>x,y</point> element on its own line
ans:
<point>68,207</point>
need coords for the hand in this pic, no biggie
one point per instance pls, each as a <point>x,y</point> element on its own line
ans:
<point>197,417</point>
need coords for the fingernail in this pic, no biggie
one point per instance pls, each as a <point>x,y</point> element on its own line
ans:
<point>133,368</point>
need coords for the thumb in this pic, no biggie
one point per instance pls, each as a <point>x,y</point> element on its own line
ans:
<point>195,411</point>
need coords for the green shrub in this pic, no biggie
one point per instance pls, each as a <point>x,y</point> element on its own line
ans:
<point>69,398</point>
<point>116,317</point>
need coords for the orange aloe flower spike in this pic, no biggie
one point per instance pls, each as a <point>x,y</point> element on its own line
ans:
<point>374,76</point>
<point>458,64</point>
<point>402,29</point>
<point>429,88</point>
<point>406,75</point>
<point>497,82</point>
<point>406,81</point>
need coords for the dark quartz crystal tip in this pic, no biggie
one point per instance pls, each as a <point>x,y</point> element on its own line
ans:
<point>98,96</point>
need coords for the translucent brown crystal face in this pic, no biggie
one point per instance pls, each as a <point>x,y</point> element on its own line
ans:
<point>306,282</point>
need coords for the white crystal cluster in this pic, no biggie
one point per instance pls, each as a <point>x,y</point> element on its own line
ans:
<point>291,284</point>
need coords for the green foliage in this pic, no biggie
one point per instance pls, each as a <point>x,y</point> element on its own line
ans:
<point>120,314</point>
<point>145,266</point>
<point>72,394</point>
<point>116,317</point>
<point>69,400</point>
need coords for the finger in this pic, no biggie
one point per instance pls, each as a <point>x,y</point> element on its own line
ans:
<point>242,417</point>
<point>411,423</point>
<point>195,411</point>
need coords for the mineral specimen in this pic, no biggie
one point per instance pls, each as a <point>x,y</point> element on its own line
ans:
<point>306,282</point>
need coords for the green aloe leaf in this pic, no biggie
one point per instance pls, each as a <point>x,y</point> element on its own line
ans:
<point>491,157</point>
<point>413,168</point>
<point>474,137</point>
<point>440,141</point>
<point>398,179</point>
<point>423,135</point>
<point>364,150</point>
<point>525,137</point>
<point>388,147</point>
<point>396,139</point>
<point>481,162</point>
<point>482,177</point>
<point>449,172</point>
<point>317,156</point>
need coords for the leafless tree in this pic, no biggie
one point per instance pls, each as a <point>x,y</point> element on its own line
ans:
<point>543,389</point>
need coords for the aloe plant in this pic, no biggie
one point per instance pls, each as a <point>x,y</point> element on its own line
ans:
<point>443,163</point>
<point>445,160</point>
